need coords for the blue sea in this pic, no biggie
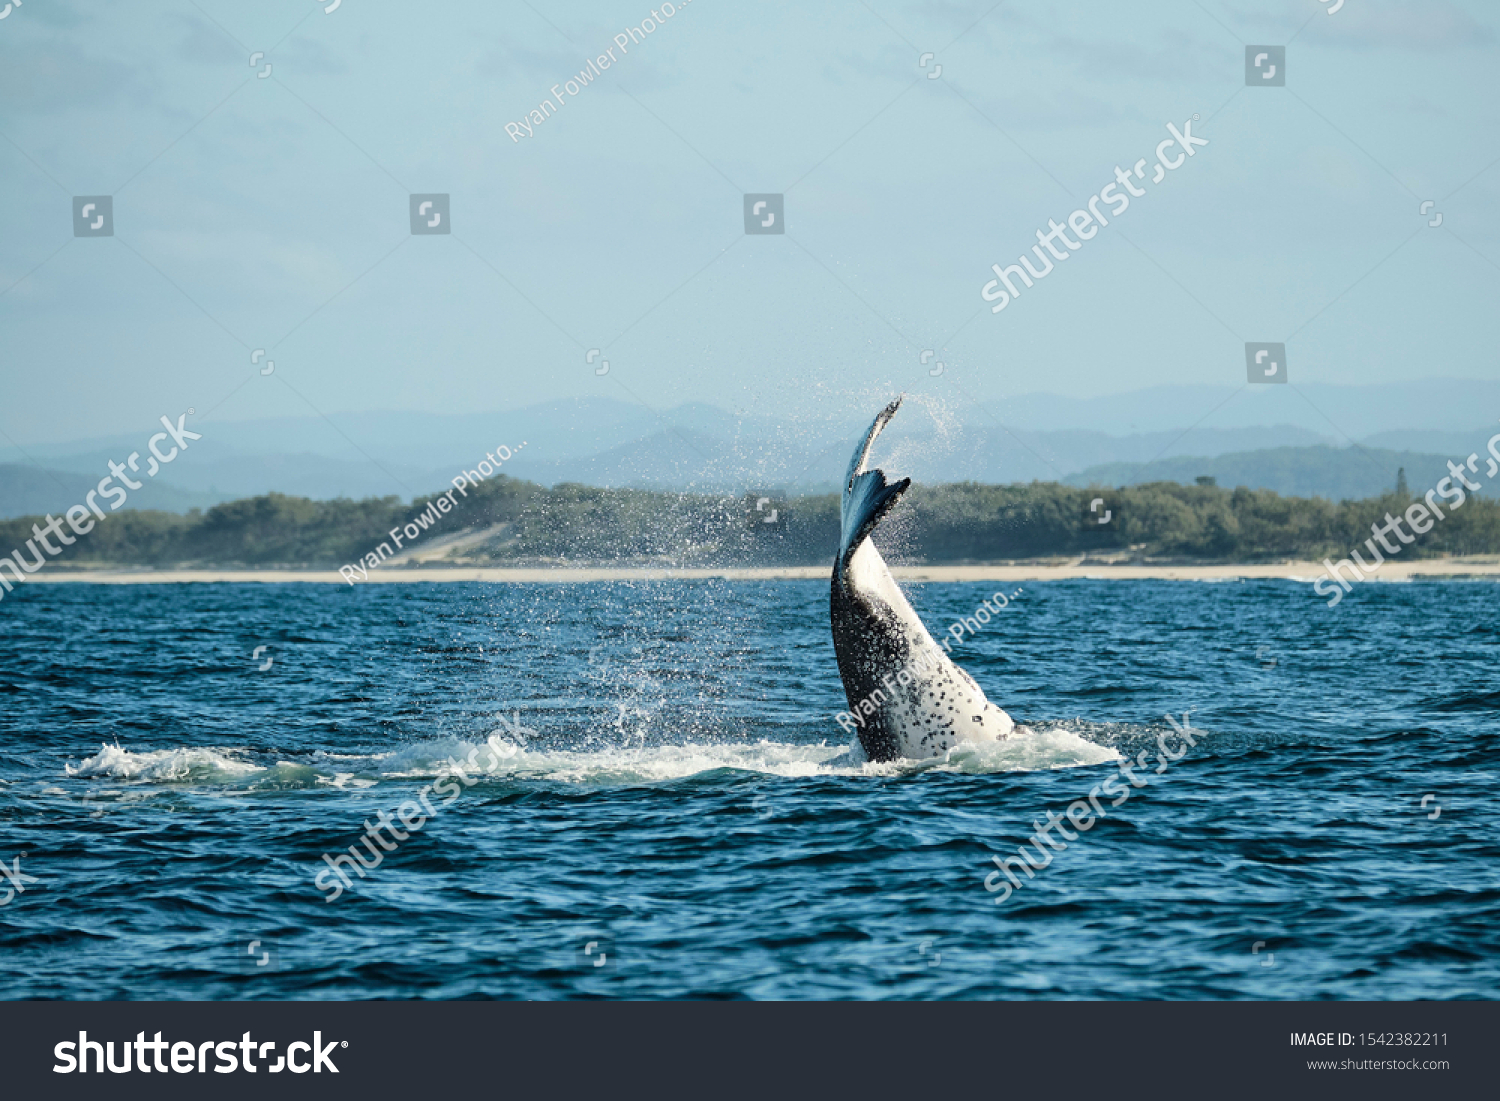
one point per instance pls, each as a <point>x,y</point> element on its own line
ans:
<point>664,806</point>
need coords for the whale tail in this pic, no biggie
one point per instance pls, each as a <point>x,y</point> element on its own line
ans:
<point>905,694</point>
<point>867,495</point>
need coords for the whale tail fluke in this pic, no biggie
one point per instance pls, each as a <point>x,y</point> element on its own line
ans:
<point>867,495</point>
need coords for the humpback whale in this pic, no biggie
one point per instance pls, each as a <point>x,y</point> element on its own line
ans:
<point>912,700</point>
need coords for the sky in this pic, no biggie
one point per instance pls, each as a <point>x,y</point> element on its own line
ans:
<point>266,207</point>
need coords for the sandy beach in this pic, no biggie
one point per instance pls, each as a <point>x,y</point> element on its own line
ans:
<point>1475,567</point>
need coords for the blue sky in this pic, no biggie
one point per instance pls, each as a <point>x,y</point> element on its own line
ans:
<point>272,213</point>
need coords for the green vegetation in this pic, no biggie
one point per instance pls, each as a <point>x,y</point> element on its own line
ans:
<point>513,522</point>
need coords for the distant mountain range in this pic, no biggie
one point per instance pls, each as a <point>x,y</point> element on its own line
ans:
<point>1336,473</point>
<point>27,491</point>
<point>1174,433</point>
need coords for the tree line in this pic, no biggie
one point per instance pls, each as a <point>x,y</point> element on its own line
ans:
<point>524,523</point>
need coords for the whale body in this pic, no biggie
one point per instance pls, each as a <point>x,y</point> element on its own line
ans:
<point>907,697</point>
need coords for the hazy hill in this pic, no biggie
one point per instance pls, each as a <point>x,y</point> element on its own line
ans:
<point>1132,436</point>
<point>1338,474</point>
<point>27,491</point>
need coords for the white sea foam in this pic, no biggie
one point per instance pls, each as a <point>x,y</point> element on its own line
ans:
<point>500,758</point>
<point>1044,749</point>
<point>163,765</point>
<point>342,780</point>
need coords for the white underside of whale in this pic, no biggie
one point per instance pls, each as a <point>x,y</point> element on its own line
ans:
<point>936,705</point>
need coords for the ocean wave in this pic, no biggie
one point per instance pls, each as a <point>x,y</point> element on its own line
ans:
<point>163,765</point>
<point>1045,749</point>
<point>500,758</point>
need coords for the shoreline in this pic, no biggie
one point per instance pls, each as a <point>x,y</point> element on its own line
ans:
<point>1487,566</point>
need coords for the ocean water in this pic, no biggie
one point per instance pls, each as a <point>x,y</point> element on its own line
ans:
<point>662,804</point>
